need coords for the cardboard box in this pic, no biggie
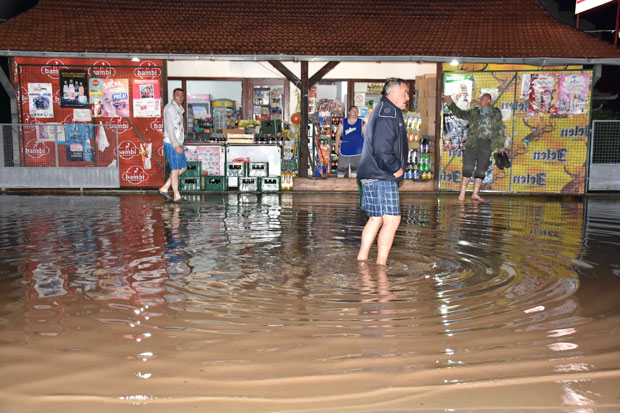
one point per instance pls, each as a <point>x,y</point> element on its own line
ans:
<point>428,127</point>
<point>423,106</point>
<point>430,85</point>
<point>421,86</point>
<point>431,108</point>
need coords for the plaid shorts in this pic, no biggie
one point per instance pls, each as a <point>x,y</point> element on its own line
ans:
<point>380,198</point>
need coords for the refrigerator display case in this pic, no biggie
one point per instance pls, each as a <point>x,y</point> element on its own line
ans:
<point>224,114</point>
<point>199,113</point>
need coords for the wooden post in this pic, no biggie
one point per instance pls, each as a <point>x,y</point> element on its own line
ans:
<point>303,126</point>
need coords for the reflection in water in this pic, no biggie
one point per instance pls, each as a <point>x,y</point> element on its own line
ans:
<point>255,302</point>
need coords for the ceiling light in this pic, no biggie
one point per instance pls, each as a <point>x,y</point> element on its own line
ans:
<point>454,62</point>
<point>135,59</point>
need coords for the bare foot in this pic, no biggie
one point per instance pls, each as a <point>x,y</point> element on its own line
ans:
<point>478,198</point>
<point>461,197</point>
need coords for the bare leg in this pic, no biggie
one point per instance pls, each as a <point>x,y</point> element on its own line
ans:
<point>368,236</point>
<point>166,185</point>
<point>464,184</point>
<point>174,180</point>
<point>386,237</point>
<point>475,196</point>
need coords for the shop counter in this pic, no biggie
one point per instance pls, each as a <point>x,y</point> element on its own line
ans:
<point>215,156</point>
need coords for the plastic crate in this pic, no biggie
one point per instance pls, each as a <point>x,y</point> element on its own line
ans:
<point>258,169</point>
<point>270,184</point>
<point>193,169</point>
<point>232,181</point>
<point>191,183</point>
<point>271,126</point>
<point>248,184</point>
<point>214,183</point>
<point>236,169</point>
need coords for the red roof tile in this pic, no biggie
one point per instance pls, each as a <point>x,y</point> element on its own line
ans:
<point>491,29</point>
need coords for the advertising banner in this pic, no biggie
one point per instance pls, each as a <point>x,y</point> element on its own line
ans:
<point>146,98</point>
<point>40,100</point>
<point>546,125</point>
<point>101,114</point>
<point>115,98</point>
<point>96,97</point>
<point>74,88</point>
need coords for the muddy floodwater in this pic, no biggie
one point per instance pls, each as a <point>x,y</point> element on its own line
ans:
<point>256,303</point>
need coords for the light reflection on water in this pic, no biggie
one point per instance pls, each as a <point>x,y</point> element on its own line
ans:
<point>250,296</point>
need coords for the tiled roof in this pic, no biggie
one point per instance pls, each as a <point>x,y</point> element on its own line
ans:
<point>349,28</point>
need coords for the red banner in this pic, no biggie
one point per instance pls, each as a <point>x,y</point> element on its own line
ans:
<point>140,156</point>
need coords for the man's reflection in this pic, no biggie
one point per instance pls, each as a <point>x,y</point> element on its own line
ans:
<point>377,310</point>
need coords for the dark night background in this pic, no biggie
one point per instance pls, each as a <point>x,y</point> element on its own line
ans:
<point>599,23</point>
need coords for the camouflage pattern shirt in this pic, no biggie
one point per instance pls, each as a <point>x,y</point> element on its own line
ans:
<point>487,125</point>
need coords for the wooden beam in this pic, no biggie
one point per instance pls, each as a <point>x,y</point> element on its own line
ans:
<point>279,66</point>
<point>321,73</point>
<point>304,85</point>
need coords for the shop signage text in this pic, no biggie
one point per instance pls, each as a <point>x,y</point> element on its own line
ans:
<point>36,149</point>
<point>551,155</point>
<point>127,150</point>
<point>527,179</point>
<point>52,68</point>
<point>135,175</point>
<point>576,131</point>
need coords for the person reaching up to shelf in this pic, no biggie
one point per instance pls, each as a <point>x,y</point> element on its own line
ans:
<point>486,132</point>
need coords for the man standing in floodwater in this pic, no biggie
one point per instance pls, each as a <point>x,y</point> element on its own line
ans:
<point>384,157</point>
<point>486,132</point>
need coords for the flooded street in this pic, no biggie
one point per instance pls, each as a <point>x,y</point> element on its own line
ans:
<point>255,303</point>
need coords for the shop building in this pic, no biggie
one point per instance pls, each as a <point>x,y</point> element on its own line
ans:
<point>248,67</point>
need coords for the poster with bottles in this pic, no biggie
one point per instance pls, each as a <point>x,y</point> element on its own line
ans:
<point>40,100</point>
<point>78,145</point>
<point>74,88</point>
<point>115,98</point>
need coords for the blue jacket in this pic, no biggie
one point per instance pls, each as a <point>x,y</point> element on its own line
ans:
<point>385,147</point>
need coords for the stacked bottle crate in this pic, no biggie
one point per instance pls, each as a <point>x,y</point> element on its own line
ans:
<point>191,178</point>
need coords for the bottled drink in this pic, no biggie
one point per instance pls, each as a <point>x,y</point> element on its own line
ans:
<point>424,145</point>
<point>71,90</point>
<point>416,173</point>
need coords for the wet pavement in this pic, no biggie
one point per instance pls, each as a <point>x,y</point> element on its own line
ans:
<point>255,302</point>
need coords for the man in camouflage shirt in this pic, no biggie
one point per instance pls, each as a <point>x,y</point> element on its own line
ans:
<point>486,132</point>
